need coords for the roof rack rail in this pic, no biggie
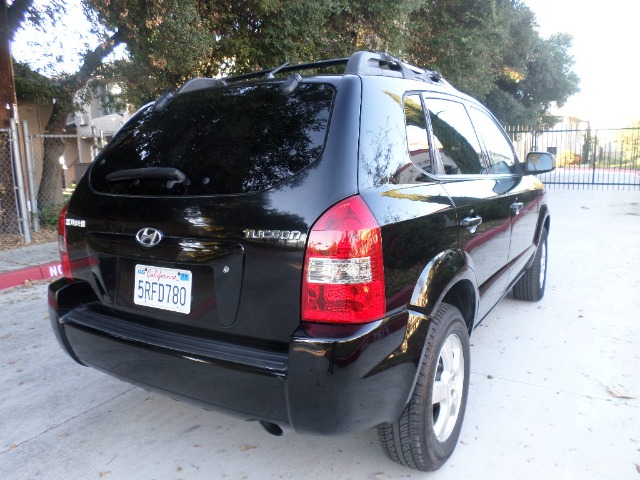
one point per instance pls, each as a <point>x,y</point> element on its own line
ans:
<point>200,83</point>
<point>382,64</point>
<point>288,68</point>
<point>360,63</point>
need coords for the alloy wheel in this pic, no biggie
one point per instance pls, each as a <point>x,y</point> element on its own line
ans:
<point>448,387</point>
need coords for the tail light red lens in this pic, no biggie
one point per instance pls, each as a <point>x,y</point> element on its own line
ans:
<point>343,272</point>
<point>62,243</point>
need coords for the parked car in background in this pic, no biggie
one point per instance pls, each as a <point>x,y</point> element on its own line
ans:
<point>305,252</point>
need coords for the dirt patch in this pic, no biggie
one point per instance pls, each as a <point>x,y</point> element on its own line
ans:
<point>45,235</point>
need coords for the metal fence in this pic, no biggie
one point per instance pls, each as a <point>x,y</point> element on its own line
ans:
<point>8,213</point>
<point>14,208</point>
<point>585,158</point>
<point>37,173</point>
<point>52,155</point>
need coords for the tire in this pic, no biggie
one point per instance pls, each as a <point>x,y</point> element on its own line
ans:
<point>424,437</point>
<point>531,285</point>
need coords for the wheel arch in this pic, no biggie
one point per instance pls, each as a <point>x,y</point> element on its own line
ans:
<point>448,277</point>
<point>544,222</point>
<point>463,297</point>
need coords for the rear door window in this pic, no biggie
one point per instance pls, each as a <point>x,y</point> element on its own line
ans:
<point>226,140</point>
<point>455,138</point>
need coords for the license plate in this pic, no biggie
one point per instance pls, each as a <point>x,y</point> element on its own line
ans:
<point>163,288</point>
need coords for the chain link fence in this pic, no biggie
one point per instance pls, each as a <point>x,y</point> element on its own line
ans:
<point>13,206</point>
<point>53,157</point>
<point>8,217</point>
<point>37,175</point>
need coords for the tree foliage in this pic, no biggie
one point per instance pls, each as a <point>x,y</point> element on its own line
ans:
<point>21,11</point>
<point>629,144</point>
<point>488,48</point>
<point>547,79</point>
<point>32,86</point>
<point>170,41</point>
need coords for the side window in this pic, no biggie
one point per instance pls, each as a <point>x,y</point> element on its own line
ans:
<point>417,135</point>
<point>499,151</point>
<point>454,136</point>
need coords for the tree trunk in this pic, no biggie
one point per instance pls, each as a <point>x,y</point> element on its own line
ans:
<point>51,185</point>
<point>50,189</point>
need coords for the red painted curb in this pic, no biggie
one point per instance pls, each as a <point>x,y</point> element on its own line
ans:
<point>45,271</point>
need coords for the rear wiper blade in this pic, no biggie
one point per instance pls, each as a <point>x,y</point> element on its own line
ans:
<point>172,175</point>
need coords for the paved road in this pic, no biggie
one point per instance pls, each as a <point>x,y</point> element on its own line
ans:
<point>617,178</point>
<point>547,396</point>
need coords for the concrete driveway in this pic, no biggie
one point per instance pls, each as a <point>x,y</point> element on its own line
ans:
<point>555,387</point>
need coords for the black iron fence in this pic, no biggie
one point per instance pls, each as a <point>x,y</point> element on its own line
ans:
<point>585,158</point>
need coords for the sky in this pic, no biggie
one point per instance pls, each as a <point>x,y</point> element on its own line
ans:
<point>71,39</point>
<point>605,50</point>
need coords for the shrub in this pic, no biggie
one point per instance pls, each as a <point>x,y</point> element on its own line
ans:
<point>568,159</point>
<point>48,214</point>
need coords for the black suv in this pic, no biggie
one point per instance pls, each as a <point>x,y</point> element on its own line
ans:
<point>305,252</point>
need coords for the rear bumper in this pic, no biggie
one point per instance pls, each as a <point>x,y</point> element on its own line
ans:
<point>315,385</point>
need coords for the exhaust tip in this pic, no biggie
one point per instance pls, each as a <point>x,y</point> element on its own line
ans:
<point>272,428</point>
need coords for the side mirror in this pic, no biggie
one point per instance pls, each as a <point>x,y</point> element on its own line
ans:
<point>539,162</point>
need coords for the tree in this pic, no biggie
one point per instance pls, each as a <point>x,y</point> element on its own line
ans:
<point>170,42</point>
<point>629,145</point>
<point>461,39</point>
<point>586,147</point>
<point>63,88</point>
<point>10,16</point>
<point>547,79</point>
<point>488,48</point>
<point>491,50</point>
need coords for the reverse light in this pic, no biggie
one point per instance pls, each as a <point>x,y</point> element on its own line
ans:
<point>343,278</point>
<point>65,261</point>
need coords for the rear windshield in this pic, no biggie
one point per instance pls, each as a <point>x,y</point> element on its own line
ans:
<point>226,140</point>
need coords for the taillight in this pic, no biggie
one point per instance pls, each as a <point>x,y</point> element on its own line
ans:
<point>62,243</point>
<point>343,278</point>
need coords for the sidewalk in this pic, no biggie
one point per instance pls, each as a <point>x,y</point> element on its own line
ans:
<point>29,263</point>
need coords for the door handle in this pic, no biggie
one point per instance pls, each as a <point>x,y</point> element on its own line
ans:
<point>516,207</point>
<point>471,223</point>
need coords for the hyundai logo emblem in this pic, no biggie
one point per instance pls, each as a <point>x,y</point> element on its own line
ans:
<point>148,237</point>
